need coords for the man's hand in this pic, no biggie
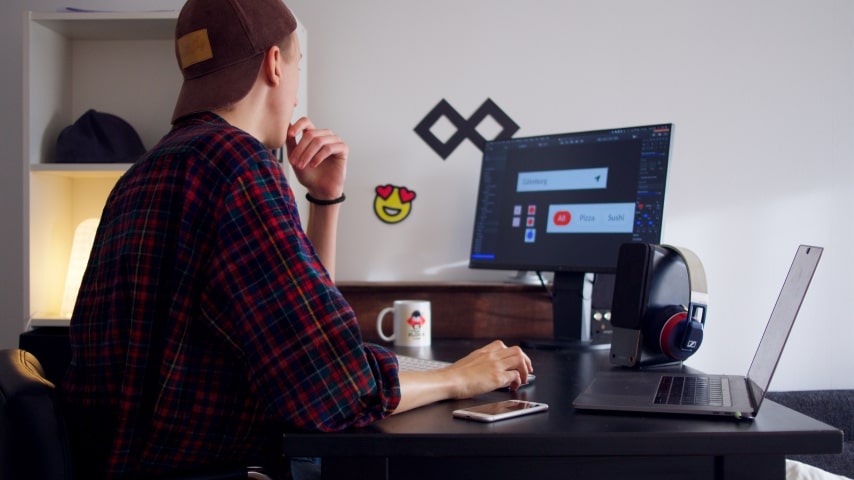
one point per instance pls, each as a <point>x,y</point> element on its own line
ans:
<point>493,366</point>
<point>318,158</point>
<point>483,370</point>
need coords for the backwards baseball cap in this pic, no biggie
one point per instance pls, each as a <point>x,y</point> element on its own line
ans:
<point>220,45</point>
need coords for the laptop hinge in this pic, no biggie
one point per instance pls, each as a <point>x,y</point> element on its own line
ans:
<point>750,396</point>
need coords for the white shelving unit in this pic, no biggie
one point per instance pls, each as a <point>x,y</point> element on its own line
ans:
<point>116,62</point>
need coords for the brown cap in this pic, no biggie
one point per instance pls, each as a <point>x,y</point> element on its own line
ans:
<point>220,45</point>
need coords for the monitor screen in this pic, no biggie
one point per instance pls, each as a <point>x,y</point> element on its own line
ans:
<point>566,202</point>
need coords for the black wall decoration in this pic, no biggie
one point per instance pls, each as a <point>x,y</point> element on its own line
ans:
<point>465,128</point>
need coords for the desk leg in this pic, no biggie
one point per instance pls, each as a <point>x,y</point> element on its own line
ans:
<point>354,467</point>
<point>751,467</point>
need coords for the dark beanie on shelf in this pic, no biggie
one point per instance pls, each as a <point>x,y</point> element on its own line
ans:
<point>98,137</point>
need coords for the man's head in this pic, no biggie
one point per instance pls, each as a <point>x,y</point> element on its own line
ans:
<point>220,46</point>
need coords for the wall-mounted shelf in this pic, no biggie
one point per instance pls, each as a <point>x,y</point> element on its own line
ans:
<point>115,62</point>
<point>121,63</point>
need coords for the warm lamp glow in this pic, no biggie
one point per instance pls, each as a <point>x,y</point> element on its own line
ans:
<point>84,237</point>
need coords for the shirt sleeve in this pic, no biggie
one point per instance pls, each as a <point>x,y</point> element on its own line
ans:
<point>272,300</point>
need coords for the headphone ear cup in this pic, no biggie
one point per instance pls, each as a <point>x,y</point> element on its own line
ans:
<point>668,330</point>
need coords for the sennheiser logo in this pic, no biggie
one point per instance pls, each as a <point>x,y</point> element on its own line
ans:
<point>466,129</point>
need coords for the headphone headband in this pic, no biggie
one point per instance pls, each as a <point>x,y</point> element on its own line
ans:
<point>699,296</point>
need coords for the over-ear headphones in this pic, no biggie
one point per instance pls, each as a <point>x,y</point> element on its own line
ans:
<point>677,330</point>
<point>659,305</point>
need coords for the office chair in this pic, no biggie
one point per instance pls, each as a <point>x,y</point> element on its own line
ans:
<point>34,439</point>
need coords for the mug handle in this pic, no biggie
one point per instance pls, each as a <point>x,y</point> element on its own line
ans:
<point>383,312</point>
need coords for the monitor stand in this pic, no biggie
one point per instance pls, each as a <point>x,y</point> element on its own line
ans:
<point>571,300</point>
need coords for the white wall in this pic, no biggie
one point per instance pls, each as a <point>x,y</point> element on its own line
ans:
<point>761,93</point>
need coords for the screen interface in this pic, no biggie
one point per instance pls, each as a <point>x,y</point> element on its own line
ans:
<point>567,202</point>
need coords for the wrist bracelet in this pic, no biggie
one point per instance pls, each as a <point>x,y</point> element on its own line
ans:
<point>317,201</point>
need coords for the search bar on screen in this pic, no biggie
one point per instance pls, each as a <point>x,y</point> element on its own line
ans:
<point>552,180</point>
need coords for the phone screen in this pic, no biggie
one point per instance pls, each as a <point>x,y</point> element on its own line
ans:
<point>492,412</point>
<point>503,407</point>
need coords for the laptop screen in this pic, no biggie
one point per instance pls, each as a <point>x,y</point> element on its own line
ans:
<point>782,318</point>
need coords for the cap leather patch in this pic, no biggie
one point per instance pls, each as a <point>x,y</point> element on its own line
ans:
<point>194,47</point>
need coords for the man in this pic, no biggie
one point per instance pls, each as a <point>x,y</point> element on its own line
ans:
<point>207,322</point>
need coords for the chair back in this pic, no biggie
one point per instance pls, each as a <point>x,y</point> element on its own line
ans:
<point>33,435</point>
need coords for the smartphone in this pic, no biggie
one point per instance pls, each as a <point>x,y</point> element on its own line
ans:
<point>492,412</point>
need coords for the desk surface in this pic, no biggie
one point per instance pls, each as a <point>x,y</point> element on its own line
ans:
<point>563,431</point>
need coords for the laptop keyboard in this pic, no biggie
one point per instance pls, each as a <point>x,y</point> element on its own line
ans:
<point>679,390</point>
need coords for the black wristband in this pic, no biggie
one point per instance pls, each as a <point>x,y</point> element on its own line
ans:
<point>317,201</point>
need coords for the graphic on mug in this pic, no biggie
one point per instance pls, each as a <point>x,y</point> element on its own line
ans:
<point>416,321</point>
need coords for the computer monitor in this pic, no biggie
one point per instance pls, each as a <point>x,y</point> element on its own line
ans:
<point>565,203</point>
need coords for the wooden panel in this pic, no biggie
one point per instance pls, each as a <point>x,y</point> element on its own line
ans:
<point>460,310</point>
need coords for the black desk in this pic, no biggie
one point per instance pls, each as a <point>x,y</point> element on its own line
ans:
<point>428,443</point>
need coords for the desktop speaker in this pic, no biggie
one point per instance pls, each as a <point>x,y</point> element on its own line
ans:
<point>659,306</point>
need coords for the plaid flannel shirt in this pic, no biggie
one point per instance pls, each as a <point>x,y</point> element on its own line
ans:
<point>205,324</point>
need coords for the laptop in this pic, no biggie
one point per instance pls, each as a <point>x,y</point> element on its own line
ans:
<point>728,395</point>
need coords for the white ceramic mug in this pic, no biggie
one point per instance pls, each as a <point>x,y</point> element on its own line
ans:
<point>411,327</point>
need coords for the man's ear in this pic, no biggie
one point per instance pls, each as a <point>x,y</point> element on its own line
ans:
<point>271,68</point>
